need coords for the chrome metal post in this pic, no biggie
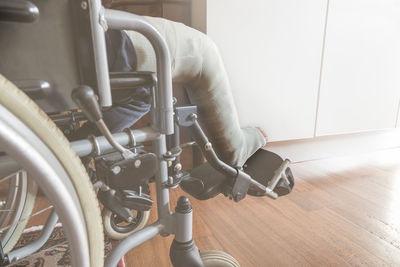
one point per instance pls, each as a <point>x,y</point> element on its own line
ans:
<point>161,176</point>
<point>164,103</point>
<point>100,53</point>
<point>132,241</point>
<point>18,141</point>
<point>101,145</point>
<point>27,250</point>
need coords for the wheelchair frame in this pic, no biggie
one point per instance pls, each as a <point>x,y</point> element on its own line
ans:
<point>178,223</point>
<point>162,120</point>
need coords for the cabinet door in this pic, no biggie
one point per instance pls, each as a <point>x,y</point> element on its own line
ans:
<point>272,52</point>
<point>360,86</point>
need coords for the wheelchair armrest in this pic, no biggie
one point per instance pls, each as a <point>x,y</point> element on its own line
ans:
<point>130,80</point>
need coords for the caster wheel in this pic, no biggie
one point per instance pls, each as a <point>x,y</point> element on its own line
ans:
<point>214,258</point>
<point>117,229</point>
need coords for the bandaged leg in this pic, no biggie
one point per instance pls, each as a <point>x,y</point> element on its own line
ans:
<point>196,63</point>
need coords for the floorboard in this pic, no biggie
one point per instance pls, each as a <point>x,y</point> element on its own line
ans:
<point>342,212</point>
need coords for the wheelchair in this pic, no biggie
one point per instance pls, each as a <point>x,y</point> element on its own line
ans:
<point>54,76</point>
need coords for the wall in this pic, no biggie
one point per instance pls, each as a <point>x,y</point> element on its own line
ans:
<point>309,68</point>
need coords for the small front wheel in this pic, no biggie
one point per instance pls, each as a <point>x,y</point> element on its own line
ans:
<point>117,229</point>
<point>214,258</point>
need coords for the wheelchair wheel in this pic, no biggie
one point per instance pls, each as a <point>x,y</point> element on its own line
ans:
<point>116,229</point>
<point>214,258</point>
<point>16,207</point>
<point>25,130</point>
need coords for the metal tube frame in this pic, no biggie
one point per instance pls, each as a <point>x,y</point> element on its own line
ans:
<point>18,141</point>
<point>162,119</point>
<point>95,145</point>
<point>132,241</point>
<point>164,103</point>
<point>166,224</point>
<point>162,124</point>
<point>96,11</point>
<point>100,145</point>
<point>48,228</point>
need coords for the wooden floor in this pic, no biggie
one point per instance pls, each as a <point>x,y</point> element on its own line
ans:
<point>342,212</point>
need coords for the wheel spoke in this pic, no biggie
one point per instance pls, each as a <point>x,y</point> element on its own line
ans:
<point>7,177</point>
<point>32,215</point>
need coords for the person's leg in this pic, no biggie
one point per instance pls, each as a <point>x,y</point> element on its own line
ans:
<point>197,64</point>
<point>128,107</point>
<point>117,118</point>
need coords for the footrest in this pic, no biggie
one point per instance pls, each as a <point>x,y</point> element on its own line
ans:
<point>261,166</point>
<point>204,182</point>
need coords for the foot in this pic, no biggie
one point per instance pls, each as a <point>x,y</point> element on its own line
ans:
<point>264,134</point>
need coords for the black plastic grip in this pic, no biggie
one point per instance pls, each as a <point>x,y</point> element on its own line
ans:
<point>85,99</point>
<point>18,11</point>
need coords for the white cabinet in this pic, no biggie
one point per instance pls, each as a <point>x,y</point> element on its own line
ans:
<point>303,68</point>
<point>360,85</point>
<point>398,118</point>
<point>272,52</point>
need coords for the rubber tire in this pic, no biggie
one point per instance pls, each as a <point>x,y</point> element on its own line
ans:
<point>29,113</point>
<point>215,258</point>
<point>31,193</point>
<point>119,236</point>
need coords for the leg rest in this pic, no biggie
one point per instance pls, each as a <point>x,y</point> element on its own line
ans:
<point>206,182</point>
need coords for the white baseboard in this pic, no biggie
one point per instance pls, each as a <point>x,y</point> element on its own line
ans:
<point>336,146</point>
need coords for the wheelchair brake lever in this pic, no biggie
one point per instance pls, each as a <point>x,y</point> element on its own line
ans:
<point>85,99</point>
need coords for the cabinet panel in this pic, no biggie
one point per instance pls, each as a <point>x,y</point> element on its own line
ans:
<point>398,118</point>
<point>272,52</point>
<point>360,86</point>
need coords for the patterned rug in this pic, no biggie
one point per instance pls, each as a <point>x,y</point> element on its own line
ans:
<point>54,253</point>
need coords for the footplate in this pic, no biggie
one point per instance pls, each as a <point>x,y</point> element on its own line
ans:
<point>270,170</point>
<point>204,182</point>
